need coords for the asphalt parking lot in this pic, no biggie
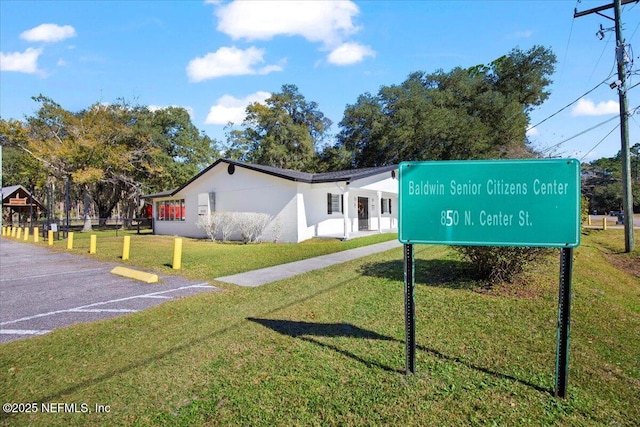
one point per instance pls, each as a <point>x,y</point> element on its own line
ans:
<point>42,290</point>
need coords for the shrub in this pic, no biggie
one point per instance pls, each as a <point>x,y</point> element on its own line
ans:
<point>501,264</point>
<point>227,224</point>
<point>276,230</point>
<point>210,224</point>
<point>252,225</point>
<point>584,209</point>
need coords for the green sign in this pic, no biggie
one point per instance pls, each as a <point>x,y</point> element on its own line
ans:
<point>490,203</point>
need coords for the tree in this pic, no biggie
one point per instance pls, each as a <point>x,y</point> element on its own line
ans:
<point>474,113</point>
<point>114,152</point>
<point>87,148</point>
<point>181,150</point>
<point>283,132</point>
<point>603,185</point>
<point>18,166</point>
<point>525,75</point>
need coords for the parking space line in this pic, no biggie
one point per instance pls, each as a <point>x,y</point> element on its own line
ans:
<point>89,306</point>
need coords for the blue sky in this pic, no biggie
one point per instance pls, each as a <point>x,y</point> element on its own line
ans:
<point>213,57</point>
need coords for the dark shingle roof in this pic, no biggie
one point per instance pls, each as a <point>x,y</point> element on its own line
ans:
<point>291,175</point>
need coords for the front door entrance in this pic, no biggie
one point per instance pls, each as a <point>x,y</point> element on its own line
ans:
<point>363,213</point>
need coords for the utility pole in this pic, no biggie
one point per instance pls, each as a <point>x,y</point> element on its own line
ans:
<point>621,58</point>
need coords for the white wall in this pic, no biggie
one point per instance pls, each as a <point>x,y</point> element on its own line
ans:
<point>300,207</point>
<point>244,191</point>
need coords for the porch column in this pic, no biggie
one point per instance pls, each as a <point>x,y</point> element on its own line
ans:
<point>345,212</point>
<point>379,211</point>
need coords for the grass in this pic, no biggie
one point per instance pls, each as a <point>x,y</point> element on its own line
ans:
<point>206,260</point>
<point>327,348</point>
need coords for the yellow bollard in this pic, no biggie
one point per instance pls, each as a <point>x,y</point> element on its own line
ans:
<point>588,219</point>
<point>4,231</point>
<point>26,233</point>
<point>19,234</point>
<point>604,223</point>
<point>36,235</point>
<point>50,237</point>
<point>13,231</point>
<point>125,248</point>
<point>177,254</point>
<point>92,244</point>
<point>70,240</point>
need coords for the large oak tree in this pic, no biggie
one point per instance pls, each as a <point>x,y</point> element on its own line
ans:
<point>467,113</point>
<point>111,153</point>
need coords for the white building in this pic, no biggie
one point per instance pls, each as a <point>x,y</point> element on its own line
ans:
<point>303,205</point>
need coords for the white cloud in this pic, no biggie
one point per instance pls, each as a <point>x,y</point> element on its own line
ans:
<point>231,109</point>
<point>25,62</point>
<point>328,22</point>
<point>349,53</point>
<point>229,61</point>
<point>533,132</point>
<point>586,107</point>
<point>48,33</point>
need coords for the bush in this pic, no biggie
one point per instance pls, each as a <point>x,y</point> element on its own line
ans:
<point>501,264</point>
<point>210,224</point>
<point>584,209</point>
<point>250,225</point>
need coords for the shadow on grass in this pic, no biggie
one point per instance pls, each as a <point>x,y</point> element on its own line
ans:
<point>443,273</point>
<point>307,330</point>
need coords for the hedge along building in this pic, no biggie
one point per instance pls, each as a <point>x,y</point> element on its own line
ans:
<point>303,205</point>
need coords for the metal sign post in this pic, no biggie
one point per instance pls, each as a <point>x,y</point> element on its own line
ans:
<point>564,321</point>
<point>409,309</point>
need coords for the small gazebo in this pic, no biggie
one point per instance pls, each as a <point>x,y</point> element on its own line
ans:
<point>20,203</point>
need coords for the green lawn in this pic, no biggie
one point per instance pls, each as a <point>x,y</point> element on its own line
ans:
<point>203,259</point>
<point>327,348</point>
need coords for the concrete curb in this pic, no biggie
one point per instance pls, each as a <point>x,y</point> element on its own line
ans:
<point>134,274</point>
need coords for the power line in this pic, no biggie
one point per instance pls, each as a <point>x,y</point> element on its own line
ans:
<point>570,104</point>
<point>566,49</point>
<point>600,142</point>
<point>580,134</point>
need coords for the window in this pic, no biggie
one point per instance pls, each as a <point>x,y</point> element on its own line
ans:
<point>170,210</point>
<point>386,206</point>
<point>335,203</point>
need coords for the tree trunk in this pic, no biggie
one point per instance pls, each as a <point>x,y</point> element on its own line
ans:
<point>87,209</point>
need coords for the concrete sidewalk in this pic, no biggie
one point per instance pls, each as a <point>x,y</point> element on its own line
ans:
<point>271,274</point>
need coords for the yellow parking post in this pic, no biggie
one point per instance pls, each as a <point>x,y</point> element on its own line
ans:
<point>70,240</point>
<point>92,244</point>
<point>13,231</point>
<point>36,235</point>
<point>588,219</point>
<point>19,234</point>
<point>50,237</point>
<point>125,248</point>
<point>177,254</point>
<point>604,223</point>
<point>26,233</point>
<point>4,231</point>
